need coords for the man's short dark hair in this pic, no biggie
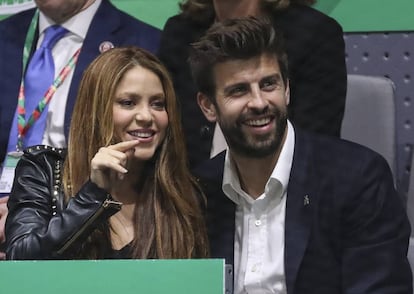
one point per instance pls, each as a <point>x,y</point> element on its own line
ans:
<point>233,39</point>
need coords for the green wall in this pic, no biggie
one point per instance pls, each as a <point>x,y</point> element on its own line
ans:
<point>156,276</point>
<point>371,15</point>
<point>154,12</point>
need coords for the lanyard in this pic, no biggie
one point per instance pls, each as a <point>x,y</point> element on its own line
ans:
<point>24,125</point>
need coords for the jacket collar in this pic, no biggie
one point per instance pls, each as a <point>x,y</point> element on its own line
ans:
<point>300,205</point>
<point>301,200</point>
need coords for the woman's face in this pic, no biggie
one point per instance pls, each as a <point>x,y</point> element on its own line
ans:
<point>139,111</point>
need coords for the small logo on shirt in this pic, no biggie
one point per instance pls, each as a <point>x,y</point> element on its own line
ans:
<point>306,200</point>
<point>105,46</point>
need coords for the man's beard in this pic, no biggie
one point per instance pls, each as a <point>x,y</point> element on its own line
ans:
<point>254,146</point>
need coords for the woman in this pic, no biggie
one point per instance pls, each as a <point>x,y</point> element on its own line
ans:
<point>316,56</point>
<point>124,190</point>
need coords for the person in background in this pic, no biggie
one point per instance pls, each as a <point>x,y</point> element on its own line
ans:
<point>3,215</point>
<point>316,53</point>
<point>91,26</point>
<point>122,189</point>
<point>291,210</point>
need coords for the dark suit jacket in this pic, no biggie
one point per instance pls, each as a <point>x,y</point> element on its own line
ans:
<point>109,24</point>
<point>351,237</point>
<point>317,72</point>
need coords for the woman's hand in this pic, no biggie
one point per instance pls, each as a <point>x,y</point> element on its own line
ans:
<point>110,164</point>
<point>3,216</point>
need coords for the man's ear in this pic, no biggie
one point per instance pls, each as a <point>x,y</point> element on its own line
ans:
<point>207,107</point>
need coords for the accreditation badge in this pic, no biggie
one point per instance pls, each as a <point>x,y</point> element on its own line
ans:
<point>7,172</point>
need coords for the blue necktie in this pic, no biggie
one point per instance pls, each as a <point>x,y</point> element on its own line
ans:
<point>39,77</point>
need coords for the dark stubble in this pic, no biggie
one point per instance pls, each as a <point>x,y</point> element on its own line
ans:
<point>254,146</point>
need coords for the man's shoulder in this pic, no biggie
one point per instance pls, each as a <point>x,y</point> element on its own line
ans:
<point>122,29</point>
<point>331,153</point>
<point>306,14</point>
<point>184,27</point>
<point>180,21</point>
<point>298,18</point>
<point>137,24</point>
<point>17,19</point>
<point>177,19</point>
<point>332,146</point>
<point>211,169</point>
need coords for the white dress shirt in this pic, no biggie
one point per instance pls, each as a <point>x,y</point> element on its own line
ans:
<point>64,49</point>
<point>260,226</point>
<point>219,143</point>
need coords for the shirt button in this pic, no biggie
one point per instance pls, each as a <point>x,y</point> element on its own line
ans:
<point>258,222</point>
<point>254,268</point>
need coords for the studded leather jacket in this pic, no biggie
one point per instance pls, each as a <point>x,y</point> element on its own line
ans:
<point>40,224</point>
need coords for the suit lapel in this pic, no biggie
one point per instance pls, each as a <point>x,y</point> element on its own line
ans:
<point>220,210</point>
<point>12,37</point>
<point>301,200</point>
<point>103,27</point>
<point>221,225</point>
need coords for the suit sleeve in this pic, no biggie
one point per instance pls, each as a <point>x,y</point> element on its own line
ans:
<point>375,234</point>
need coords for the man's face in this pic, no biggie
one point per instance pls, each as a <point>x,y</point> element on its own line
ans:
<point>251,105</point>
<point>61,10</point>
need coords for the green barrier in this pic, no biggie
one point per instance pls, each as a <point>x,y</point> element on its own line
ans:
<point>195,276</point>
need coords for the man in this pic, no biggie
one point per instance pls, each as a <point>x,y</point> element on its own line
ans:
<point>93,26</point>
<point>312,38</point>
<point>293,212</point>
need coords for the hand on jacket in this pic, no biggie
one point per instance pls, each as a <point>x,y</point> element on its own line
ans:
<point>3,216</point>
<point>110,164</point>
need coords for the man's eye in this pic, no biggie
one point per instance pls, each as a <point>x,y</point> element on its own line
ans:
<point>237,91</point>
<point>269,85</point>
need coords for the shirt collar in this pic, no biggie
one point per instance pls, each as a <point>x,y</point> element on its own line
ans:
<point>77,24</point>
<point>280,174</point>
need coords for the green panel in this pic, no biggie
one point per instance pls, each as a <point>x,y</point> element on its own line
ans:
<point>194,276</point>
<point>370,15</point>
<point>326,6</point>
<point>155,12</point>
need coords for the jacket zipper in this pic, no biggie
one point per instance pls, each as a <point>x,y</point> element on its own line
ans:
<point>108,203</point>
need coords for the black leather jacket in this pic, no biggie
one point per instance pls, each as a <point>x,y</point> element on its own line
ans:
<point>40,225</point>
